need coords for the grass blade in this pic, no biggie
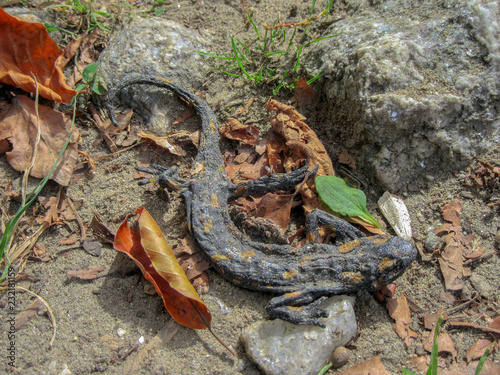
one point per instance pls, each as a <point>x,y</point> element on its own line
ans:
<point>483,359</point>
<point>254,26</point>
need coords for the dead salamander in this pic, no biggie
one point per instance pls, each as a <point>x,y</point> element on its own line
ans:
<point>303,277</point>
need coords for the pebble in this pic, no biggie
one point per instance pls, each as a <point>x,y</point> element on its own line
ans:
<point>280,348</point>
<point>432,242</point>
<point>340,357</point>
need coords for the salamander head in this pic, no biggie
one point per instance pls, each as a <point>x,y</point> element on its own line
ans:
<point>394,256</point>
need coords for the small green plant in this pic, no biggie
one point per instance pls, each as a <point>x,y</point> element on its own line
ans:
<point>343,199</point>
<point>260,59</point>
<point>86,12</point>
<point>92,79</point>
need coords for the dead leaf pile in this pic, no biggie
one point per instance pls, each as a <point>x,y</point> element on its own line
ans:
<point>458,249</point>
<point>282,149</point>
<point>484,175</point>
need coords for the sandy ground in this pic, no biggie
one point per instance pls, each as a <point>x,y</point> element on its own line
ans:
<point>114,324</point>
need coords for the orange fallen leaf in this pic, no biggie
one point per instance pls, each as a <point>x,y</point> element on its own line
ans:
<point>26,48</point>
<point>151,252</point>
<point>19,126</point>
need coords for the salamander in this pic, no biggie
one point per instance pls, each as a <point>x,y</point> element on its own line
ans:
<point>301,277</point>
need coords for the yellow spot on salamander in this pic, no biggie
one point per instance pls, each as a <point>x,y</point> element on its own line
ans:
<point>212,127</point>
<point>380,240</point>
<point>292,294</point>
<point>349,246</point>
<point>213,201</point>
<point>290,274</point>
<point>385,264</point>
<point>207,225</point>
<point>198,167</point>
<point>351,278</point>
<point>165,80</point>
<point>217,258</point>
<point>249,253</point>
<point>295,308</point>
<point>305,259</point>
<point>240,191</point>
<point>269,286</point>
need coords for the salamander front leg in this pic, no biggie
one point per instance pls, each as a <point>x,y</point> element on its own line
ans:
<point>274,182</point>
<point>167,178</point>
<point>301,307</point>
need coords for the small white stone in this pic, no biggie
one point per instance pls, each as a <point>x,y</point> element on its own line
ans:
<point>120,332</point>
<point>141,340</point>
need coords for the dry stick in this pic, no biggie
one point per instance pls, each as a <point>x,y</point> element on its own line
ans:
<point>51,315</point>
<point>78,219</point>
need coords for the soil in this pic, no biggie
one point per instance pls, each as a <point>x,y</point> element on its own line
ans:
<point>114,324</point>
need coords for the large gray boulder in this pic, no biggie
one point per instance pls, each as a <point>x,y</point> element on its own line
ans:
<point>411,90</point>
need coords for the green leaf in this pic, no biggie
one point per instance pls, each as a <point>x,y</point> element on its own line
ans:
<point>483,359</point>
<point>343,199</point>
<point>88,73</point>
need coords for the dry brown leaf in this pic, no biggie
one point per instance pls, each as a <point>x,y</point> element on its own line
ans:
<point>430,320</point>
<point>233,129</point>
<point>32,310</point>
<point>477,350</point>
<point>451,264</point>
<point>445,343</point>
<point>276,207</point>
<point>19,127</point>
<point>86,273</point>
<point>451,212</point>
<point>372,366</point>
<point>400,312</point>
<point>489,368</point>
<point>164,142</point>
<point>303,93</point>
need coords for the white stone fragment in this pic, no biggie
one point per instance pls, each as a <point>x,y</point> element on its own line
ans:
<point>280,348</point>
<point>394,210</point>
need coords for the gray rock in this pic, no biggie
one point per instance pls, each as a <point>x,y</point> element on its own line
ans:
<point>432,242</point>
<point>410,91</point>
<point>154,46</point>
<point>279,347</point>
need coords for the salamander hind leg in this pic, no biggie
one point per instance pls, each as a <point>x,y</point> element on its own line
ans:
<point>301,307</point>
<point>344,232</point>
